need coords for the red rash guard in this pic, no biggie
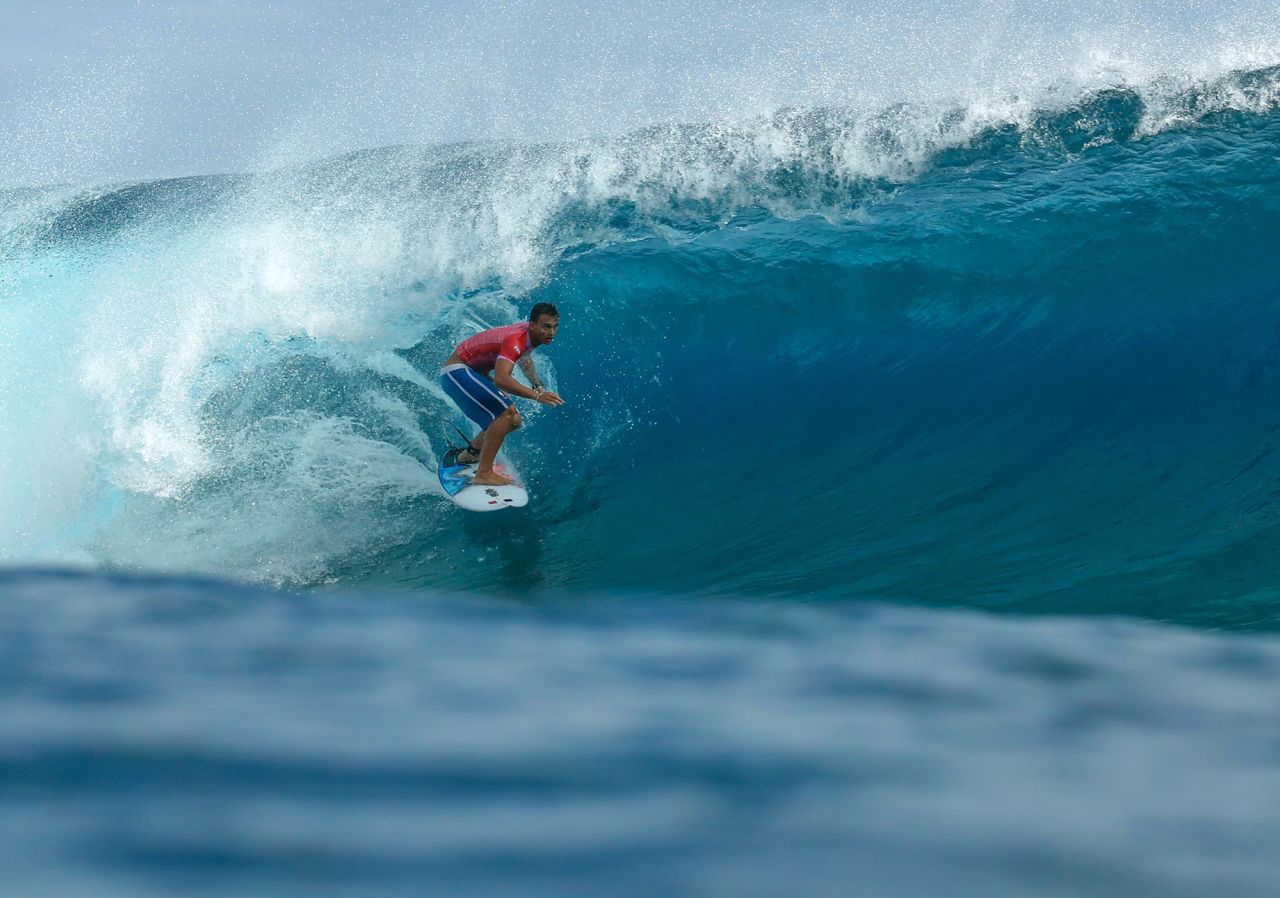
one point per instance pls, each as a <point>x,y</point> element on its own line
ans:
<point>481,352</point>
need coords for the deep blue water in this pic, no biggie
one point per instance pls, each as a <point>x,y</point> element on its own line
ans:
<point>910,529</point>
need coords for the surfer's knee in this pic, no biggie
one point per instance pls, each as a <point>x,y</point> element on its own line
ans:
<point>513,414</point>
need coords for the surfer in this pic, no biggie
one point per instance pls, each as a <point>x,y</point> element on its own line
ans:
<point>487,401</point>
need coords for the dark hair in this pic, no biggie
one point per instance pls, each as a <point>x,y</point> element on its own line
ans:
<point>543,308</point>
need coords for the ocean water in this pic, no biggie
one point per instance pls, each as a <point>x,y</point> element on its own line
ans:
<point>176,736</point>
<point>910,527</point>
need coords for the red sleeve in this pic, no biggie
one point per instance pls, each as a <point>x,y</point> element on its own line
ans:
<point>513,347</point>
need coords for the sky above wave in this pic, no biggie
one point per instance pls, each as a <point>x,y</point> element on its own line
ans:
<point>107,89</point>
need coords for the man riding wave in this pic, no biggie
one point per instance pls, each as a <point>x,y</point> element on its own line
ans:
<point>487,401</point>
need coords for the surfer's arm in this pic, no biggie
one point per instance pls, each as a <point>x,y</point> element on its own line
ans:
<point>502,377</point>
<point>526,365</point>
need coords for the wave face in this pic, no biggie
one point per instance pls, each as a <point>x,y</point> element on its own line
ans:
<point>1013,358</point>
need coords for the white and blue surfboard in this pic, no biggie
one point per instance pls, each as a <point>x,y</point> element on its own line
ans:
<point>458,486</point>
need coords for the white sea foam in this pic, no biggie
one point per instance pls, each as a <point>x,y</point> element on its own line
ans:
<point>161,93</point>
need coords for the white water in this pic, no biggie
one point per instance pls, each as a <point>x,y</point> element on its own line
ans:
<point>121,89</point>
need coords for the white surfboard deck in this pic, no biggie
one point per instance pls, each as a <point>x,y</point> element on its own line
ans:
<point>456,480</point>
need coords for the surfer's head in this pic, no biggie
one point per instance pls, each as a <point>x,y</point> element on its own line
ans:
<point>544,318</point>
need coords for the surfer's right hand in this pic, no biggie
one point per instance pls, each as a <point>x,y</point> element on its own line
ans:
<point>546,397</point>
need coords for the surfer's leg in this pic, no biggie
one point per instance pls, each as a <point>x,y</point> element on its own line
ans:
<point>480,401</point>
<point>493,437</point>
<point>473,449</point>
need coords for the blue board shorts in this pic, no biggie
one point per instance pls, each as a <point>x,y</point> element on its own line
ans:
<point>475,394</point>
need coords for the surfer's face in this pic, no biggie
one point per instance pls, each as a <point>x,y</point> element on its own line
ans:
<point>544,329</point>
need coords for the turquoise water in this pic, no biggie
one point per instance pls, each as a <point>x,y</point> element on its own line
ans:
<point>909,529</point>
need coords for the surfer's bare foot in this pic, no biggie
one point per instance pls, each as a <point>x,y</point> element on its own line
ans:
<point>491,478</point>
